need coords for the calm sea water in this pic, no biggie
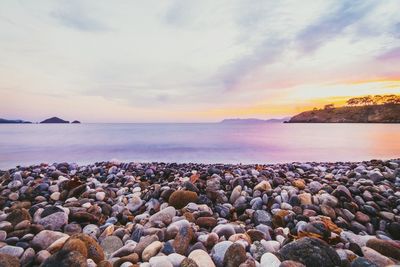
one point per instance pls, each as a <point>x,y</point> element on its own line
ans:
<point>205,143</point>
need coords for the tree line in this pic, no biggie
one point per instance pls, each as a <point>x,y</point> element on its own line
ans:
<point>374,100</point>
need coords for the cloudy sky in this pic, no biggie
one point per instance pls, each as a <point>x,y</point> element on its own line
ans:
<point>182,61</point>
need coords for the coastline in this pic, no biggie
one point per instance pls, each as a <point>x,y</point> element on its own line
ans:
<point>169,214</point>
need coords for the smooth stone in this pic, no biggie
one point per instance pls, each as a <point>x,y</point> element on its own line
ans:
<point>263,186</point>
<point>65,258</point>
<point>176,259</point>
<point>110,244</point>
<point>86,245</point>
<point>269,260</point>
<point>201,258</point>
<point>91,230</point>
<point>55,196</point>
<point>165,216</point>
<point>218,252</point>
<point>363,262</point>
<point>262,217</point>
<point>18,215</point>
<point>151,250</point>
<point>54,221</point>
<point>160,261</point>
<point>375,257</point>
<point>311,252</point>
<point>8,261</point>
<point>234,255</point>
<point>27,257</point>
<point>11,250</point>
<point>57,245</point>
<point>181,198</point>
<point>385,247</point>
<point>100,196</point>
<point>46,237</point>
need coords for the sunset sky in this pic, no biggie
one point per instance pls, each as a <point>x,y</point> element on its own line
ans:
<point>192,61</point>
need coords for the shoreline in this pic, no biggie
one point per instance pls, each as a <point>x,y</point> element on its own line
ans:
<point>188,214</point>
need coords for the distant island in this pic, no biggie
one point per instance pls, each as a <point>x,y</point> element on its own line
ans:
<point>54,120</point>
<point>253,121</point>
<point>368,109</point>
<point>13,121</point>
<point>49,120</point>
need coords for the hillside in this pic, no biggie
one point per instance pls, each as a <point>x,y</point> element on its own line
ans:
<point>389,113</point>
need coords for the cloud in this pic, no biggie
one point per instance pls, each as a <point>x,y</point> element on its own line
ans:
<point>391,55</point>
<point>332,24</point>
<point>76,16</point>
<point>267,52</point>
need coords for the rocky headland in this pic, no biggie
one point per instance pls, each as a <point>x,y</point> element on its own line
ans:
<point>196,215</point>
<point>389,113</point>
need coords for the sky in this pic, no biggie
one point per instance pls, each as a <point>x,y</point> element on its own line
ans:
<point>192,61</point>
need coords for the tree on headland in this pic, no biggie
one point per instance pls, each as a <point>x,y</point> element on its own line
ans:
<point>373,100</point>
<point>329,106</point>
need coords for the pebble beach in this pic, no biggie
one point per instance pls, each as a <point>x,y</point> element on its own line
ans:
<point>111,214</point>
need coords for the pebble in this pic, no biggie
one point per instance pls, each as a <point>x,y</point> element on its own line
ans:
<point>162,214</point>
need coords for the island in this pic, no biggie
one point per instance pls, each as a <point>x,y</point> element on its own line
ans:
<point>76,122</point>
<point>13,121</point>
<point>369,109</point>
<point>54,120</point>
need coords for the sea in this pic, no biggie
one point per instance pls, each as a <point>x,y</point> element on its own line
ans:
<point>26,144</point>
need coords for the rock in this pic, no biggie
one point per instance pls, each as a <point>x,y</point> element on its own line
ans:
<point>376,257</point>
<point>110,244</point>
<point>27,258</point>
<point>262,217</point>
<point>263,186</point>
<point>234,255</point>
<point>160,261</point>
<point>54,221</point>
<point>188,263</point>
<point>18,215</point>
<point>12,251</point>
<point>42,255</point>
<point>131,258</point>
<point>182,239</point>
<point>176,259</point>
<point>314,186</point>
<point>144,243</point>
<point>269,260</point>
<point>394,230</point>
<point>151,250</point>
<point>362,262</point>
<point>291,264</point>
<point>299,183</point>
<point>311,252</point>
<point>86,245</point>
<point>181,198</point>
<point>207,222</point>
<point>91,230</point>
<point>305,199</point>
<point>65,258</point>
<point>100,196</point>
<point>218,252</point>
<point>164,216</point>
<point>201,258</point>
<point>235,194</point>
<point>45,238</point>
<point>8,261</point>
<point>385,247</point>
<point>57,245</point>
